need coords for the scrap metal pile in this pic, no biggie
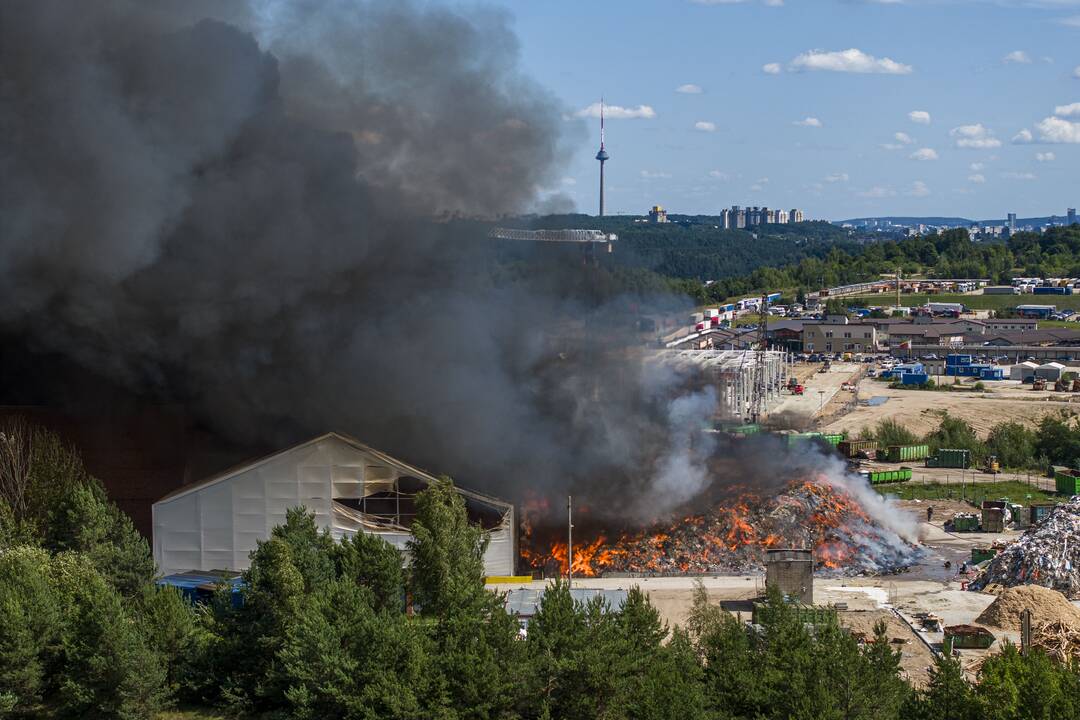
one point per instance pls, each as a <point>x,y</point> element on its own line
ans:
<point>733,536</point>
<point>1048,554</point>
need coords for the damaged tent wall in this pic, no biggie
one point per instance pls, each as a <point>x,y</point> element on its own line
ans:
<point>350,488</point>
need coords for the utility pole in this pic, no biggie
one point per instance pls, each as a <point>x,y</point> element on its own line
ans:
<point>569,540</point>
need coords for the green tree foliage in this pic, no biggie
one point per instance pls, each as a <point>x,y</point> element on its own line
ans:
<point>370,561</point>
<point>956,433</point>
<point>889,432</point>
<point>342,659</point>
<point>86,522</point>
<point>30,626</point>
<point>105,666</point>
<point>1059,439</point>
<point>447,551</point>
<point>1013,686</point>
<point>179,633</point>
<point>1013,444</point>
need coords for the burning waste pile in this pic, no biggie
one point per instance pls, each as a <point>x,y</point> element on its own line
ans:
<point>734,535</point>
<point>1048,554</point>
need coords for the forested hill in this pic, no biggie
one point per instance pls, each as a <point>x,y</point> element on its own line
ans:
<point>694,247</point>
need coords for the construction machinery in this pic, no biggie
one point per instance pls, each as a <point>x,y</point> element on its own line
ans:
<point>992,465</point>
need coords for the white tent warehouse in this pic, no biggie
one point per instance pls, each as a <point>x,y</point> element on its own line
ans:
<point>215,524</point>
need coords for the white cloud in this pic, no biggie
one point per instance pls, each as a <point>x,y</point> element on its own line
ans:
<point>1018,175</point>
<point>924,154</point>
<point>1076,72</point>
<point>719,175</point>
<point>977,178</point>
<point>903,138</point>
<point>1017,56</point>
<point>654,175</point>
<point>809,122</point>
<point>1056,130</point>
<point>1045,157</point>
<point>919,116</point>
<point>1022,137</point>
<point>757,187</point>
<point>689,89</point>
<point>771,68</point>
<point>617,112</point>
<point>877,192</point>
<point>976,167</point>
<point>568,181</point>
<point>1073,21</point>
<point>837,177</point>
<point>762,180</point>
<point>1071,110</point>
<point>892,146</point>
<point>849,61</point>
<point>974,136</point>
<point>918,189</point>
<point>705,126</point>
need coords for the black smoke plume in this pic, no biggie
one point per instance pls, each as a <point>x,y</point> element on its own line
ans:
<point>262,212</point>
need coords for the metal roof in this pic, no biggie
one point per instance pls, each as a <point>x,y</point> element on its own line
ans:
<point>526,601</point>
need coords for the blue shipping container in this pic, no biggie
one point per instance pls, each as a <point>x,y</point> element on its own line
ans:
<point>992,373</point>
<point>1050,291</point>
<point>958,360</point>
<point>914,378</point>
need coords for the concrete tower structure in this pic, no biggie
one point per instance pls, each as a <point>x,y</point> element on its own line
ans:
<point>602,156</point>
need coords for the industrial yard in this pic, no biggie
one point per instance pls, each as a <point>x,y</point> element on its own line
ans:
<point>920,411</point>
<point>936,585</point>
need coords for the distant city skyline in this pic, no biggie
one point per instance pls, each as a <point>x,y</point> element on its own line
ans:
<point>845,108</point>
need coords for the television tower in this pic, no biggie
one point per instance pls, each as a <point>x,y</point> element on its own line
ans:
<point>602,156</point>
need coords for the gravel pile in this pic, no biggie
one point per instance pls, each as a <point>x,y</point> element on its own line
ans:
<point>1048,555</point>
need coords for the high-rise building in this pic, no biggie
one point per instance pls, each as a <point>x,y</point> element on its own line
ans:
<point>1070,216</point>
<point>725,219</point>
<point>1011,223</point>
<point>658,214</point>
<point>781,217</point>
<point>795,216</point>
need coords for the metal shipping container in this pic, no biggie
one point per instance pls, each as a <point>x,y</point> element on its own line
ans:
<point>949,458</point>
<point>906,453</point>
<point>851,448</point>
<point>1067,482</point>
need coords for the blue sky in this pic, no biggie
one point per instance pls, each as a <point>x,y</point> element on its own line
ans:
<point>784,117</point>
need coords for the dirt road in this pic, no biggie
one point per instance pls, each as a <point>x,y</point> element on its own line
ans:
<point>821,388</point>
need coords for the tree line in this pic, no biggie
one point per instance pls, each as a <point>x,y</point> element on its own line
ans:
<point>680,260</point>
<point>328,629</point>
<point>1054,441</point>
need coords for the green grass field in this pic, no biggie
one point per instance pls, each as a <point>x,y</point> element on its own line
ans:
<point>975,493</point>
<point>975,302</point>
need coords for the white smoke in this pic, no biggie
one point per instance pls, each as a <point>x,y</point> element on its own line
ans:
<point>682,472</point>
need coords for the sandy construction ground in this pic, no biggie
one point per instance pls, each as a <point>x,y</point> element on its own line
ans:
<point>918,410</point>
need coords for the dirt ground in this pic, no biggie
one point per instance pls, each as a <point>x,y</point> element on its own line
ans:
<point>916,658</point>
<point>918,410</point>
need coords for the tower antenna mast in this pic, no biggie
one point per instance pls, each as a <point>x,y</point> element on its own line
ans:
<point>602,156</point>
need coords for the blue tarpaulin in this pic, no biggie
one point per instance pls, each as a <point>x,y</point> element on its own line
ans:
<point>200,586</point>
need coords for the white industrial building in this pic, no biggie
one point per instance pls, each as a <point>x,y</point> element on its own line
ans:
<point>1023,371</point>
<point>1051,371</point>
<point>216,523</point>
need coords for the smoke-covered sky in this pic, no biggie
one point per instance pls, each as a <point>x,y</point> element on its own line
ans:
<point>256,211</point>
